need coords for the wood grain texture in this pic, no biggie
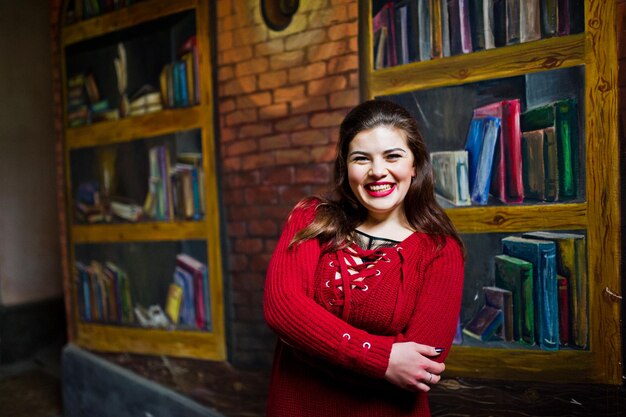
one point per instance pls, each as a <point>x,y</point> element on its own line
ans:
<point>136,127</point>
<point>508,61</point>
<point>137,232</point>
<point>189,344</point>
<point>122,19</point>
<point>501,219</point>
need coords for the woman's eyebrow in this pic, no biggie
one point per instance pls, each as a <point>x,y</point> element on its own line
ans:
<point>395,150</point>
<point>358,152</point>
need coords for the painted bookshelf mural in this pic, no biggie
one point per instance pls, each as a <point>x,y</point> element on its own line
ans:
<point>116,286</point>
<point>406,31</point>
<point>517,140</point>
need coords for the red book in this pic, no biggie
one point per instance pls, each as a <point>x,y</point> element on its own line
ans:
<point>564,310</point>
<point>385,17</point>
<point>199,272</point>
<point>507,184</point>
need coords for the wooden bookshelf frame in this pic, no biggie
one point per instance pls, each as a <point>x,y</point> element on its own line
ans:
<point>599,215</point>
<point>107,337</point>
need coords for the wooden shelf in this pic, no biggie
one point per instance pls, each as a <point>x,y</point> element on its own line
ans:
<point>505,219</point>
<point>136,232</point>
<point>191,344</point>
<point>135,127</point>
<point>122,19</point>
<point>508,61</point>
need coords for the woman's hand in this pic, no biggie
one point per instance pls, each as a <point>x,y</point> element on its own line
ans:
<point>411,369</point>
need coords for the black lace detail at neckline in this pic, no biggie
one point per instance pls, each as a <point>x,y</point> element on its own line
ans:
<point>368,242</point>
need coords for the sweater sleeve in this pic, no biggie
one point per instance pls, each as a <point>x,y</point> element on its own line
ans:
<point>304,324</point>
<point>436,313</point>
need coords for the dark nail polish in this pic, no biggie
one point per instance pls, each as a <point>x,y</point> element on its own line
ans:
<point>439,350</point>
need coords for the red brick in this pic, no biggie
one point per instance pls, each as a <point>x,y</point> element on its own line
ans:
<point>343,63</point>
<point>346,98</point>
<point>274,142</point>
<point>261,195</point>
<point>226,106</point>
<point>250,35</point>
<point>227,133</point>
<point>307,72</point>
<point>264,227</point>
<point>255,130</point>
<point>304,39</point>
<point>273,79</point>
<point>248,281</point>
<point>241,116</point>
<point>343,30</point>
<point>233,196</point>
<point>327,119</point>
<point>238,262</point>
<point>292,123</point>
<point>287,59</point>
<point>326,85</point>
<point>316,174</point>
<point>239,85</point>
<point>252,66</point>
<point>323,154</point>
<point>231,164</point>
<point>258,161</point>
<point>327,50</point>
<point>261,261</point>
<point>328,16</point>
<point>269,48</point>
<point>278,212</point>
<point>241,147</point>
<point>309,137</point>
<point>354,80</point>
<point>309,104</point>
<point>353,45</point>
<point>227,23</point>
<point>254,100</point>
<point>277,175</point>
<point>244,213</point>
<point>226,41</point>
<point>235,55</point>
<point>236,229</point>
<point>353,11</point>
<point>224,8</point>
<point>307,6</point>
<point>270,245</point>
<point>240,297</point>
<point>291,194</point>
<point>247,245</point>
<point>274,111</point>
<point>288,93</point>
<point>293,156</point>
<point>242,179</point>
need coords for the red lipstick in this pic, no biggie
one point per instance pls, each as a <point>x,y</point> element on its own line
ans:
<point>380,189</point>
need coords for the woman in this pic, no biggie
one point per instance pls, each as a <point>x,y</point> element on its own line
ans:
<point>364,291</point>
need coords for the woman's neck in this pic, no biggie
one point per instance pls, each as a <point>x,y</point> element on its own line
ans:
<point>392,228</point>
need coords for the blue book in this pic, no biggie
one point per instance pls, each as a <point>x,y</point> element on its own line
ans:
<point>482,182</point>
<point>185,280</point>
<point>542,255</point>
<point>472,146</point>
<point>182,83</point>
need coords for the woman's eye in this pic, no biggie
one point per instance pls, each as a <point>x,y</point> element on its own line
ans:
<point>359,159</point>
<point>394,156</point>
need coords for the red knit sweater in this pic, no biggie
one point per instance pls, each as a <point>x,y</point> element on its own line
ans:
<point>336,331</point>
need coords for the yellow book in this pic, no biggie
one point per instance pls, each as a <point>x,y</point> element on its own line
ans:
<point>173,303</point>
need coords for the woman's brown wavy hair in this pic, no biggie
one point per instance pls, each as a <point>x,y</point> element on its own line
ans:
<point>336,218</point>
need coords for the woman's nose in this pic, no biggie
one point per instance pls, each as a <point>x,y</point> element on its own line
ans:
<point>378,169</point>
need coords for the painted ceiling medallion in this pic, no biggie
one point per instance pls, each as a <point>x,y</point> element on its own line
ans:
<point>277,14</point>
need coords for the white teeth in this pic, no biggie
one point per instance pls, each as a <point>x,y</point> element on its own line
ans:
<point>382,187</point>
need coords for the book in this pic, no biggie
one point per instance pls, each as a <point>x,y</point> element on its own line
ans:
<point>200,274</point>
<point>402,37</point>
<point>562,116</point>
<point>423,31</point>
<point>451,176</point>
<point>477,24</point>
<point>577,16</point>
<point>542,254</point>
<point>380,42</point>
<point>489,139</point>
<point>571,263</point>
<point>174,302</point>
<point>548,18</point>
<point>513,15</point>
<point>473,144</point>
<point>384,18</point>
<point>530,21</point>
<point>516,275</point>
<point>502,299</point>
<point>499,22</point>
<point>564,310</point>
<point>184,279</point>
<point>445,28</point>
<point>489,23</point>
<point>539,164</point>
<point>454,16</point>
<point>465,26</point>
<point>507,184</point>
<point>563,18</point>
<point>436,29</point>
<point>485,324</point>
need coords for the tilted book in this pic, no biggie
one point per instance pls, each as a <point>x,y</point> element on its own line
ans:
<point>451,176</point>
<point>485,163</point>
<point>485,324</point>
<point>542,254</point>
<point>502,299</point>
<point>516,275</point>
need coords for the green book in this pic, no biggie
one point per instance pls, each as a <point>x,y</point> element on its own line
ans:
<point>516,275</point>
<point>562,115</point>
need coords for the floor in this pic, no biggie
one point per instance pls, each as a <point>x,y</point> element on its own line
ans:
<point>33,389</point>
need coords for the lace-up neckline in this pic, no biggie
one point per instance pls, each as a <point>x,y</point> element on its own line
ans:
<point>367,241</point>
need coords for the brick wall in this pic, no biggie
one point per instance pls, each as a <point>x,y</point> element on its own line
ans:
<point>281,97</point>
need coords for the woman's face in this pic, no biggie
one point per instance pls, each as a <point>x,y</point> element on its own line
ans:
<point>380,167</point>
